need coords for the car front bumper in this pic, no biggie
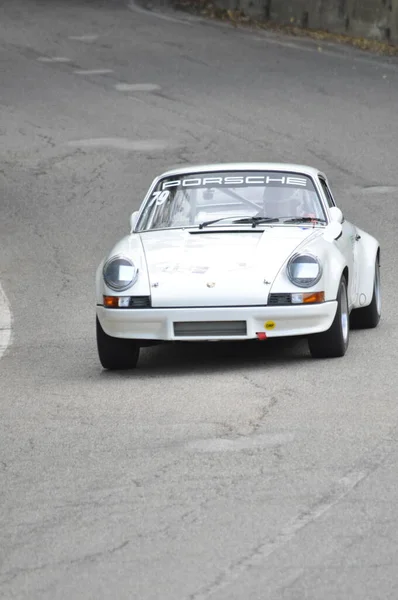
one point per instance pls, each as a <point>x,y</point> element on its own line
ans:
<point>216,323</point>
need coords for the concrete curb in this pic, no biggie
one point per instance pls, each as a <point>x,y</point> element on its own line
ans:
<point>190,11</point>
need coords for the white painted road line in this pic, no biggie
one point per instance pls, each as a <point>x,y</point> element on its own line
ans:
<point>5,323</point>
<point>121,144</point>
<point>84,38</point>
<point>53,59</point>
<point>93,71</point>
<point>137,87</point>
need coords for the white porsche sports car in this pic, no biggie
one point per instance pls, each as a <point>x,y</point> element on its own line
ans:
<point>237,252</point>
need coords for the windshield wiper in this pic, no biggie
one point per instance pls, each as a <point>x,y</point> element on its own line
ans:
<point>253,220</point>
<point>257,220</point>
<point>302,220</point>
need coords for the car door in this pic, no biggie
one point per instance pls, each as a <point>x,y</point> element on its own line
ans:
<point>347,244</point>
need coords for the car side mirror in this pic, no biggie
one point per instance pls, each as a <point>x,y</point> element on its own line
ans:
<point>133,220</point>
<point>336,215</point>
<point>333,231</point>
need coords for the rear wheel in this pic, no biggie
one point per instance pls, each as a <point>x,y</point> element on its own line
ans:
<point>333,342</point>
<point>368,317</point>
<point>116,353</point>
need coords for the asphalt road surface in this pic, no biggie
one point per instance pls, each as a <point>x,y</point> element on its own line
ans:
<point>213,471</point>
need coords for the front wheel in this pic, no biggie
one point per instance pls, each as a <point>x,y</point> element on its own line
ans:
<point>368,317</point>
<point>116,353</point>
<point>333,343</point>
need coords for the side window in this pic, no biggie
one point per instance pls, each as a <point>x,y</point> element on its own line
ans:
<point>327,192</point>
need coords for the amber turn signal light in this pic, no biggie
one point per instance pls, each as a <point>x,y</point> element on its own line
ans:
<point>313,297</point>
<point>111,301</point>
<point>308,297</point>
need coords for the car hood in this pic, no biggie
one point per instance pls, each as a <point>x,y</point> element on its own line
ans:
<point>220,268</point>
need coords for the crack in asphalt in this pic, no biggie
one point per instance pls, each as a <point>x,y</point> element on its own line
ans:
<point>261,552</point>
<point>11,575</point>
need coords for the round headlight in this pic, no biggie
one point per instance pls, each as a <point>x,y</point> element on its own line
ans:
<point>120,273</point>
<point>304,270</point>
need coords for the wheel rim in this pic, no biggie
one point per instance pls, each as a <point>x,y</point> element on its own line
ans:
<point>377,289</point>
<point>344,313</point>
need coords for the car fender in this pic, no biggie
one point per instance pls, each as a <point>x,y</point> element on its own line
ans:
<point>333,264</point>
<point>131,247</point>
<point>367,249</point>
<point>99,283</point>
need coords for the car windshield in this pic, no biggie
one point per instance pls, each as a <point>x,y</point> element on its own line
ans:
<point>226,198</point>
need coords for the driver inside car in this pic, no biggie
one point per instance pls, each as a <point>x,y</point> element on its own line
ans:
<point>283,202</point>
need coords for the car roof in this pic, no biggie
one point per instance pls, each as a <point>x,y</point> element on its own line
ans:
<point>243,166</point>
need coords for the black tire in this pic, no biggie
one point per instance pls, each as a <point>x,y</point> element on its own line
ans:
<point>368,317</point>
<point>116,353</point>
<point>333,343</point>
